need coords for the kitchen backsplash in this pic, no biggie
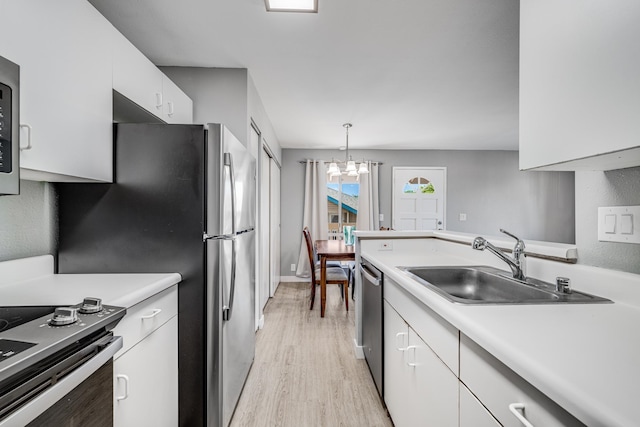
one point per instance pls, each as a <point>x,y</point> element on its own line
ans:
<point>612,188</point>
<point>29,221</point>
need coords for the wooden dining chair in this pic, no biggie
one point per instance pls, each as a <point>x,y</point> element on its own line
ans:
<point>335,275</point>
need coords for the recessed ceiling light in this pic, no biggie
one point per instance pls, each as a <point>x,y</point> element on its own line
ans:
<point>292,5</point>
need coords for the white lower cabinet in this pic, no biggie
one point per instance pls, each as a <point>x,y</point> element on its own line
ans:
<point>510,399</point>
<point>145,375</point>
<point>472,412</point>
<point>419,389</point>
<point>434,375</point>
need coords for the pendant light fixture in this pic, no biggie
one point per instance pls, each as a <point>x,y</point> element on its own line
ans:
<point>349,167</point>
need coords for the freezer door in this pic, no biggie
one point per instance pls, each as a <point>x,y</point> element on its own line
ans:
<point>231,183</point>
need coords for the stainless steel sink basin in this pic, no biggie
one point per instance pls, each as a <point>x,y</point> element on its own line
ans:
<point>488,285</point>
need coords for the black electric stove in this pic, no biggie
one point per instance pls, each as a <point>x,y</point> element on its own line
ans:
<point>40,344</point>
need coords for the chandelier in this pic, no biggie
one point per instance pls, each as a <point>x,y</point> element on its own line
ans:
<point>348,167</point>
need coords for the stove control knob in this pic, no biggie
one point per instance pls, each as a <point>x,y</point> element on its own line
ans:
<point>91,305</point>
<point>64,316</point>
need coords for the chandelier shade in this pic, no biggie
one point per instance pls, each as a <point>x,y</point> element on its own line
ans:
<point>348,167</point>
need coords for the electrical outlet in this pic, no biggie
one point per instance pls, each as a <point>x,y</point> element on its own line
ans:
<point>293,267</point>
<point>381,217</point>
<point>385,245</point>
<point>463,217</point>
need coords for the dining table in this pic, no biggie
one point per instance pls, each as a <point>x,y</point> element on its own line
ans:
<point>331,250</point>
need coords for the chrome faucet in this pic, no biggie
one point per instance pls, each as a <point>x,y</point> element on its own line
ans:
<point>517,263</point>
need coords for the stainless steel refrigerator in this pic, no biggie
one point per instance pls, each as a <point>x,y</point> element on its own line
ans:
<point>183,201</point>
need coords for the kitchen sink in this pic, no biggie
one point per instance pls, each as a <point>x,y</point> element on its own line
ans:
<point>488,285</point>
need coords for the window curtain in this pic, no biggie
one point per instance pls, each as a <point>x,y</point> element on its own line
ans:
<point>315,211</point>
<point>368,200</point>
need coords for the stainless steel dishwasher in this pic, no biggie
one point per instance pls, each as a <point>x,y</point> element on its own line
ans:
<point>372,328</point>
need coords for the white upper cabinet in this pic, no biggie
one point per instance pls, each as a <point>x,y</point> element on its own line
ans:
<point>139,80</point>
<point>579,85</point>
<point>63,49</point>
<point>135,77</point>
<point>177,107</point>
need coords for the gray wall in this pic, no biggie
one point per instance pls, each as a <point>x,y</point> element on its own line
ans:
<point>228,96</point>
<point>28,222</point>
<point>486,185</point>
<point>596,189</point>
<point>219,95</point>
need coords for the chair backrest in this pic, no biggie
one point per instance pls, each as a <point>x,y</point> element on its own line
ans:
<point>310,252</point>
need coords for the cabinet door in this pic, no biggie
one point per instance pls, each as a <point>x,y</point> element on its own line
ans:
<point>396,372</point>
<point>472,412</point>
<point>135,76</point>
<point>498,387</point>
<point>63,49</point>
<point>177,106</point>
<point>434,388</point>
<point>579,86</point>
<point>146,381</point>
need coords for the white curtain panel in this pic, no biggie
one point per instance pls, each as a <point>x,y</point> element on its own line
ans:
<point>368,205</point>
<point>315,211</point>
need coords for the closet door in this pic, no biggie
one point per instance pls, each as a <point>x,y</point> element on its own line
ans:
<point>275,225</point>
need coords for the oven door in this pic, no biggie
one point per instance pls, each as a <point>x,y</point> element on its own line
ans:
<point>58,400</point>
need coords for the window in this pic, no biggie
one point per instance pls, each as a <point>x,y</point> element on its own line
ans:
<point>342,203</point>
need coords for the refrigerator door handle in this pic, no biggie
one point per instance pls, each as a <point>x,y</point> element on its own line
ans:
<point>227,309</point>
<point>228,162</point>
<point>206,237</point>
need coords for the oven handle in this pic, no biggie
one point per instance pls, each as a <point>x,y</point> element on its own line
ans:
<point>43,401</point>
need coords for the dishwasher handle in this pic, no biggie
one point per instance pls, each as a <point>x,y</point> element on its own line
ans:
<point>370,277</point>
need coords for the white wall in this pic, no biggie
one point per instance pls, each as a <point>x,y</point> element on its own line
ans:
<point>28,221</point>
<point>486,185</point>
<point>613,188</point>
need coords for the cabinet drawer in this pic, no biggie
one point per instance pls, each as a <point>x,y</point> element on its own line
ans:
<point>145,317</point>
<point>497,387</point>
<point>433,329</point>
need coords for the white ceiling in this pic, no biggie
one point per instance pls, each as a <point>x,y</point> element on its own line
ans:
<point>409,74</point>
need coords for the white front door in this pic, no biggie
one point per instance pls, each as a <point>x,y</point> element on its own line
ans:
<point>419,196</point>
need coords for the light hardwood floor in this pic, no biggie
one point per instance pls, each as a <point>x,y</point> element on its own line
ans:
<point>305,372</point>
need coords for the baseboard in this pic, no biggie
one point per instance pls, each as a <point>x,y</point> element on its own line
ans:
<point>358,349</point>
<point>294,279</point>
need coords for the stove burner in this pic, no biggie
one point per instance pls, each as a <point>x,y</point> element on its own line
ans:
<point>10,317</point>
<point>10,348</point>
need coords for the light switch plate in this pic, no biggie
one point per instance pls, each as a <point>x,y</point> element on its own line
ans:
<point>619,224</point>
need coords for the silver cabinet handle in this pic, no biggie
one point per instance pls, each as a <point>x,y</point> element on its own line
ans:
<point>515,409</point>
<point>126,386</point>
<point>153,314</point>
<point>28,128</point>
<point>170,105</point>
<point>158,100</point>
<point>374,280</point>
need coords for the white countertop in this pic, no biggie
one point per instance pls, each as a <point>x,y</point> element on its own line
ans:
<point>31,281</point>
<point>586,357</point>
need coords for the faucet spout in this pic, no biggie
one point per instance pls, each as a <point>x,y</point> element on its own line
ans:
<point>516,264</point>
